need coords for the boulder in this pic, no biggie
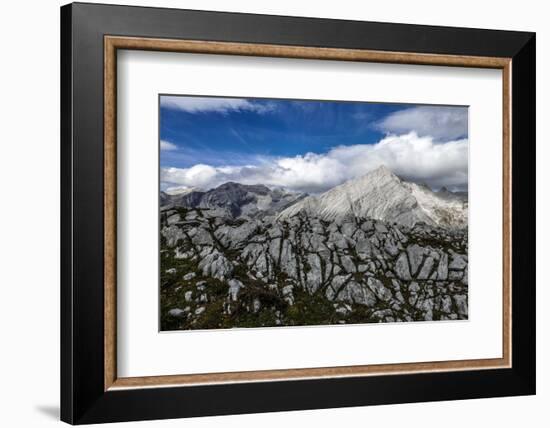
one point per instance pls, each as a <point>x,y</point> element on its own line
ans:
<point>216,266</point>
<point>416,254</point>
<point>442,268</point>
<point>402,267</point>
<point>176,313</point>
<point>234,288</point>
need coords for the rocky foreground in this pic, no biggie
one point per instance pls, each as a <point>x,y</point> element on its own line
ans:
<point>218,271</point>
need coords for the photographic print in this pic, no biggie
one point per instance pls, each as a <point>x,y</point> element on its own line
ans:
<point>281,212</point>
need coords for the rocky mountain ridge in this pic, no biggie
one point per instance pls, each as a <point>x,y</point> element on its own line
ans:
<point>235,200</point>
<point>381,195</point>
<point>222,272</point>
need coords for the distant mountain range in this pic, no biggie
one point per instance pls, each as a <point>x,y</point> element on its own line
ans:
<point>235,200</point>
<point>379,194</point>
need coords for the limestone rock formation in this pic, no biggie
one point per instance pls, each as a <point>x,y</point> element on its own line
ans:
<point>306,270</point>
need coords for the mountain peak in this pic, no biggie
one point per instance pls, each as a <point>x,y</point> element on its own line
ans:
<point>380,173</point>
<point>381,170</point>
<point>375,177</point>
<point>382,195</point>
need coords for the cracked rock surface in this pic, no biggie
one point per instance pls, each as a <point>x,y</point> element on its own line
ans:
<point>218,271</point>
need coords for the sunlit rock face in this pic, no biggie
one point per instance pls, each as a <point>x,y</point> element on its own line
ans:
<point>381,195</point>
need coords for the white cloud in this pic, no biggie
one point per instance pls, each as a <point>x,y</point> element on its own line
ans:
<point>199,175</point>
<point>166,146</point>
<point>213,104</point>
<point>412,157</point>
<point>442,123</point>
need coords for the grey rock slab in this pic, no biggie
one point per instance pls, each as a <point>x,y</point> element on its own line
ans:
<point>176,313</point>
<point>458,262</point>
<point>399,297</point>
<point>414,287</point>
<point>338,281</point>
<point>338,240</point>
<point>173,219</point>
<point>354,292</point>
<point>316,242</point>
<point>331,293</point>
<point>287,294</point>
<point>343,309</point>
<point>182,255</point>
<point>202,237</point>
<point>461,302</point>
<point>347,264</point>
<point>234,287</point>
<point>216,266</point>
<point>191,215</point>
<point>442,268</point>
<point>381,228</point>
<point>189,276</point>
<point>416,254</point>
<point>402,267</point>
<point>363,246</point>
<point>379,289</point>
<point>314,274</point>
<point>391,247</point>
<point>426,268</point>
<point>251,252</point>
<point>348,229</point>
<point>455,275</point>
<point>445,304</point>
<point>382,314</point>
<point>205,251</point>
<point>172,234</point>
<point>368,226</point>
<point>262,265</point>
<point>274,248</point>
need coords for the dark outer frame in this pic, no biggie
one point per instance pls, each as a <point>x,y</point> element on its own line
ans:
<point>114,43</point>
<point>83,398</point>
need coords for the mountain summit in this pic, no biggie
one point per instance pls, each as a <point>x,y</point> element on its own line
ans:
<point>382,195</point>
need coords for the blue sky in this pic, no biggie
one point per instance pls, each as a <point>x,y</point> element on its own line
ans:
<point>295,143</point>
<point>284,128</point>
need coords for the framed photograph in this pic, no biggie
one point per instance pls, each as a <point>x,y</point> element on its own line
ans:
<point>265,213</point>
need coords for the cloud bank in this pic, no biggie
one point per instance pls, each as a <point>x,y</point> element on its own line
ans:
<point>412,157</point>
<point>166,146</point>
<point>441,123</point>
<point>217,105</point>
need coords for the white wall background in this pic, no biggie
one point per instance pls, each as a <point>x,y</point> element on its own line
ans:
<point>29,214</point>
